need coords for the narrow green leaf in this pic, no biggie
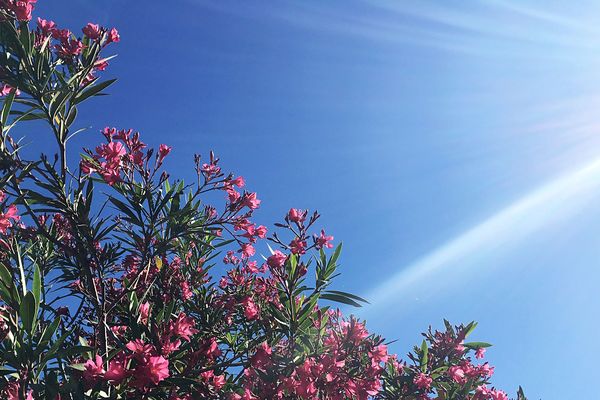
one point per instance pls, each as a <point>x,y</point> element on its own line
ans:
<point>336,254</point>
<point>349,295</point>
<point>477,345</point>
<point>8,100</point>
<point>424,356</point>
<point>470,328</point>
<point>71,117</point>
<point>92,91</point>
<point>49,332</point>
<point>340,299</point>
<point>37,285</point>
<point>27,312</point>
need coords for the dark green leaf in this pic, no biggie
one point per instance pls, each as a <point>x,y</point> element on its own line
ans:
<point>27,312</point>
<point>92,91</point>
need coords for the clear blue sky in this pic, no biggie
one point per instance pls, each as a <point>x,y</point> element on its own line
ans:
<point>453,146</point>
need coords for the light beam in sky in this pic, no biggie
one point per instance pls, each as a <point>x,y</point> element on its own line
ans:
<point>537,210</point>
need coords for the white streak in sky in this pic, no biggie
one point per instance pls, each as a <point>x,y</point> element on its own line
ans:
<point>530,214</point>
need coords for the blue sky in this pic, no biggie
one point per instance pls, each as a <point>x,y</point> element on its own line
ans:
<point>452,146</point>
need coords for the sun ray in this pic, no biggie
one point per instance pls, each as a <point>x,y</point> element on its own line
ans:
<point>529,214</point>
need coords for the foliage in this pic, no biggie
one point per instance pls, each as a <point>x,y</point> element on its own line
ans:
<point>108,283</point>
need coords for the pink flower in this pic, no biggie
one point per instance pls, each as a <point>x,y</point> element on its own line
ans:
<point>422,381</point>
<point>239,182</point>
<point>250,309</point>
<point>167,346</point>
<point>5,90</point>
<point>480,353</point>
<point>247,250</point>
<point>498,395</point>
<point>93,370</point>
<point>486,370</point>
<point>460,348</point>
<point>262,357</point>
<point>8,218</point>
<point>217,381</point>
<point>233,195</point>
<point>155,369</point>
<point>11,390</point>
<point>249,200</point>
<point>69,48</point>
<point>210,348</point>
<point>62,35</point>
<point>379,354</point>
<point>482,391</point>
<point>456,374</point>
<point>112,151</point>
<point>298,246</point>
<point>277,259</point>
<point>92,31</point>
<point>46,27</point>
<point>158,368</point>
<point>261,231</point>
<point>116,372</point>
<point>22,9</point>
<point>140,348</point>
<point>183,327</point>
<point>163,151</point>
<point>144,310</point>
<point>323,241</point>
<point>246,396</point>
<point>111,176</point>
<point>186,292</point>
<point>211,170</point>
<point>296,215</point>
<point>113,36</point>
<point>101,65</point>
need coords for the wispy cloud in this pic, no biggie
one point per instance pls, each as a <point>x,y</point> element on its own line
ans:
<point>489,28</point>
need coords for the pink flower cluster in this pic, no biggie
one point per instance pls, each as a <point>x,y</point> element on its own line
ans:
<point>144,365</point>
<point>5,90</point>
<point>9,216</point>
<point>327,375</point>
<point>123,152</point>
<point>68,47</point>
<point>21,9</point>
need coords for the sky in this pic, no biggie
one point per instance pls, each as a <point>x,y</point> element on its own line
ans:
<point>452,146</point>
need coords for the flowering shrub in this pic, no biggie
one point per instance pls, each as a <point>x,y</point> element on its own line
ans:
<point>118,282</point>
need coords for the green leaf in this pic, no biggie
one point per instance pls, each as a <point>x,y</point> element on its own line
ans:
<point>338,298</point>
<point>73,350</point>
<point>37,285</point>
<point>25,37</point>
<point>49,332</point>
<point>92,91</point>
<point>8,292</point>
<point>58,101</point>
<point>8,100</point>
<point>5,275</point>
<point>27,312</point>
<point>71,117</point>
<point>349,295</point>
<point>470,328</point>
<point>126,210</point>
<point>52,352</point>
<point>336,254</point>
<point>78,367</point>
<point>477,345</point>
<point>424,356</point>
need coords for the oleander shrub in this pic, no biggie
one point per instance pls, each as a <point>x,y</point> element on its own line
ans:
<point>119,282</point>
